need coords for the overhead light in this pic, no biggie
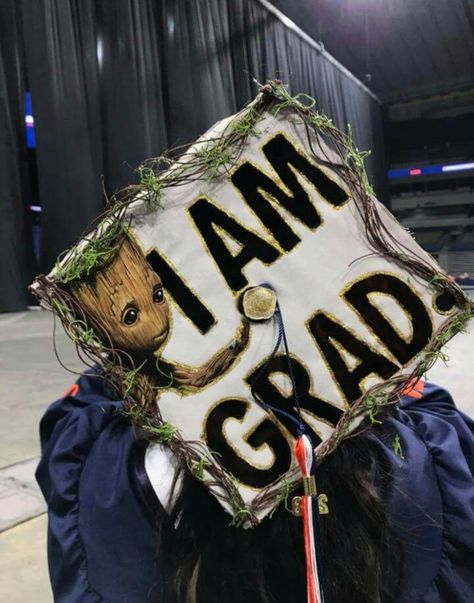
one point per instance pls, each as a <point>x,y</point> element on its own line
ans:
<point>458,167</point>
<point>100,52</point>
<point>429,170</point>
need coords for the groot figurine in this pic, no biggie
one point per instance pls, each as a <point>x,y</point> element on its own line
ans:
<point>126,302</point>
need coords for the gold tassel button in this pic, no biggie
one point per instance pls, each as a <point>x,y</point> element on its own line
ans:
<point>259,303</point>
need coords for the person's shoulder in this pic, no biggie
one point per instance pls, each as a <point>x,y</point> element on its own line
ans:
<point>91,390</point>
<point>434,416</point>
<point>432,500</point>
<point>423,395</point>
<point>72,423</point>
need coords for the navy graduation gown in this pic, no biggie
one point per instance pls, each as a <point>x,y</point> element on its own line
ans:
<point>103,541</point>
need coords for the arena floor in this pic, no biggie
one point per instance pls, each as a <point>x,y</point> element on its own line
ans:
<point>31,378</point>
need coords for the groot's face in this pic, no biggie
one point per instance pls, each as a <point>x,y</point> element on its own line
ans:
<point>129,303</point>
<point>140,315</point>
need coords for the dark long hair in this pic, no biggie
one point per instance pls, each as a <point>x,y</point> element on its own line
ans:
<point>360,557</point>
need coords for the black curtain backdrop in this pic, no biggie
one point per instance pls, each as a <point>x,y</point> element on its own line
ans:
<point>118,81</point>
<point>61,60</point>
<point>132,93</point>
<point>213,50</point>
<point>15,238</point>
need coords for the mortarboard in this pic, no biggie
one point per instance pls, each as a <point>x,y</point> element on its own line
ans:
<point>254,304</point>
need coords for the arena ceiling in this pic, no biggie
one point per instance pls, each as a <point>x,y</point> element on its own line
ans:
<point>401,49</point>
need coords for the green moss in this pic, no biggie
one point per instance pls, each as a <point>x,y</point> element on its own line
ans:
<point>372,404</point>
<point>357,159</point>
<point>196,468</point>
<point>245,125</point>
<point>163,374</point>
<point>88,337</point>
<point>429,358</point>
<point>286,488</point>
<point>241,515</point>
<point>214,157</point>
<point>135,413</point>
<point>81,263</point>
<point>163,432</point>
<point>321,123</point>
<point>61,310</point>
<point>397,447</point>
<point>130,380</point>
<point>457,325</point>
<point>285,100</point>
<point>152,186</point>
<point>78,330</point>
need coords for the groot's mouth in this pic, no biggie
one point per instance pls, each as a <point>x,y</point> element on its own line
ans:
<point>161,336</point>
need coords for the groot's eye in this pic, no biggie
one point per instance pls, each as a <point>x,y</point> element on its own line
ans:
<point>130,315</point>
<point>158,295</point>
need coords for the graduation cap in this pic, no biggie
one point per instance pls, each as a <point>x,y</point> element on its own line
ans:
<point>254,304</point>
